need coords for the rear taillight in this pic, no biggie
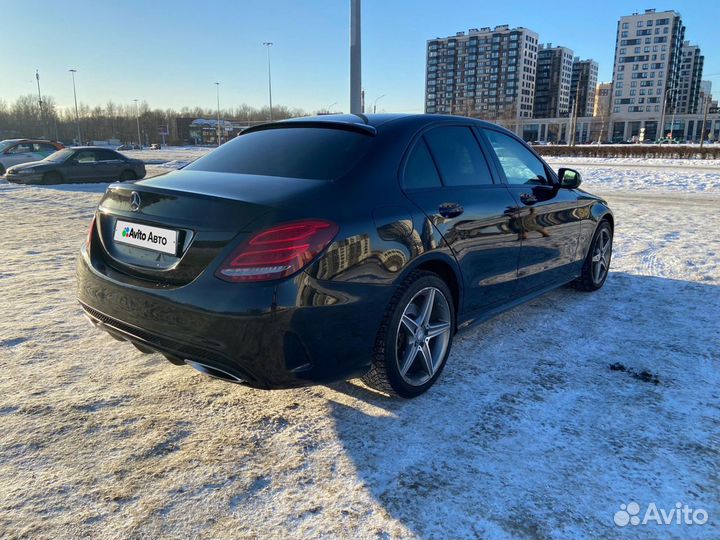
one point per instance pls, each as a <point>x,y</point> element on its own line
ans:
<point>278,252</point>
<point>88,239</point>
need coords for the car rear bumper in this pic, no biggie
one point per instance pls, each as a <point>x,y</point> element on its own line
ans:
<point>293,333</point>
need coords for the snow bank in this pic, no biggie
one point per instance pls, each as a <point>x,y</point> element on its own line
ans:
<point>529,433</point>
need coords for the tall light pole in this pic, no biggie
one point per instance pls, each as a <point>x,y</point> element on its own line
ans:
<point>137,119</point>
<point>706,106</point>
<point>662,113</point>
<point>217,85</point>
<point>77,116</point>
<point>355,59</point>
<point>672,121</point>
<point>376,102</point>
<point>40,103</point>
<point>269,44</point>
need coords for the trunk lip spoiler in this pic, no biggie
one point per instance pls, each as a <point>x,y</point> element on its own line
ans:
<point>356,127</point>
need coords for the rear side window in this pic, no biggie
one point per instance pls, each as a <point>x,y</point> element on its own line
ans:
<point>420,171</point>
<point>107,155</point>
<point>293,152</point>
<point>44,148</point>
<point>458,156</point>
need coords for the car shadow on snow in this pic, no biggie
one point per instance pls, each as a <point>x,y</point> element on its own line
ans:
<point>530,433</point>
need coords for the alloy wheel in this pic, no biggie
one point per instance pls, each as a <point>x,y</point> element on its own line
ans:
<point>601,256</point>
<point>423,336</point>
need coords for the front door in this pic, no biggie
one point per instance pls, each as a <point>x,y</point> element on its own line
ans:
<point>82,167</point>
<point>547,220</point>
<point>448,178</point>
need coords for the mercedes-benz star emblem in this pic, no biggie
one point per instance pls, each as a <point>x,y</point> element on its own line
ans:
<point>135,201</point>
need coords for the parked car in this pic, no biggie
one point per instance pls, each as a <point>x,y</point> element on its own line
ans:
<point>17,151</point>
<point>154,146</point>
<point>124,147</point>
<point>668,140</point>
<point>78,164</point>
<point>326,248</point>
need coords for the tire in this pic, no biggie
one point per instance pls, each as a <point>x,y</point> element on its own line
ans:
<point>52,177</point>
<point>396,340</point>
<point>127,176</point>
<point>589,279</point>
<point>2,170</point>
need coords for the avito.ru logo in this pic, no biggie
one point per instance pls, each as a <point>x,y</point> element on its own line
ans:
<point>138,234</point>
<point>680,515</point>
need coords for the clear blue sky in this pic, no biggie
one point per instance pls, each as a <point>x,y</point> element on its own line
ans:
<point>169,53</point>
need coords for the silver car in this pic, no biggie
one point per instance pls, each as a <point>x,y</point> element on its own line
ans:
<point>17,151</point>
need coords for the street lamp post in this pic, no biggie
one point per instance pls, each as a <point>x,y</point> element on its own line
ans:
<point>40,103</point>
<point>137,119</point>
<point>662,113</point>
<point>672,120</point>
<point>269,44</point>
<point>706,106</point>
<point>217,84</point>
<point>355,59</point>
<point>77,116</point>
<point>376,102</point>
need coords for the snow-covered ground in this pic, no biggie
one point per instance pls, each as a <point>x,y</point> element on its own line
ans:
<point>529,433</point>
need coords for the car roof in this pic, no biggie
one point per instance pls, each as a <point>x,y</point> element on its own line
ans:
<point>374,122</point>
<point>28,140</point>
<point>89,148</point>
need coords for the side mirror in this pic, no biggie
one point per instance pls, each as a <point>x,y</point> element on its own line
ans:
<point>569,178</point>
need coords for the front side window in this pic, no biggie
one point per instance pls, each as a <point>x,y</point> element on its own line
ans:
<point>21,148</point>
<point>85,156</point>
<point>518,163</point>
<point>420,170</point>
<point>458,156</point>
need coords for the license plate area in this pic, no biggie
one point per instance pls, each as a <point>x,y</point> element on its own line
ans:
<point>146,236</point>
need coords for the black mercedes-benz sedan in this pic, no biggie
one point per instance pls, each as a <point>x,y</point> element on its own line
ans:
<point>321,249</point>
<point>79,164</point>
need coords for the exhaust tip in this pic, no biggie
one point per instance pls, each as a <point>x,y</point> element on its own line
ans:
<point>215,373</point>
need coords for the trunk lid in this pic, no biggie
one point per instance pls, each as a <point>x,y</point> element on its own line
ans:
<point>203,211</point>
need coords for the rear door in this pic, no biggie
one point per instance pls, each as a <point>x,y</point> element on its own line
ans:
<point>547,216</point>
<point>109,165</point>
<point>447,176</point>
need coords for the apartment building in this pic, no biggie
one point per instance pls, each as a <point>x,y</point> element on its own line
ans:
<point>552,81</point>
<point>484,73</point>
<point>648,52</point>
<point>582,86</point>
<point>688,86</point>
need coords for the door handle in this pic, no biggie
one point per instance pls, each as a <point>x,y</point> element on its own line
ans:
<point>450,210</point>
<point>528,198</point>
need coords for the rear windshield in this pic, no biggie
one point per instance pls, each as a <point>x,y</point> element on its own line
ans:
<point>293,152</point>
